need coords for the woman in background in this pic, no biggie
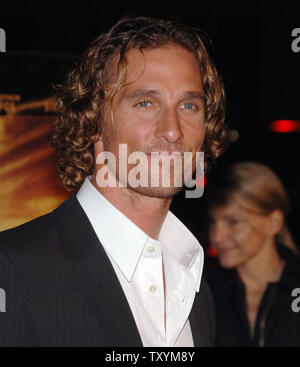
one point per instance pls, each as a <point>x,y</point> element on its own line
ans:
<point>247,206</point>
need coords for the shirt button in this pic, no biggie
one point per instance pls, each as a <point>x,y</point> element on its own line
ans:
<point>150,248</point>
<point>152,288</point>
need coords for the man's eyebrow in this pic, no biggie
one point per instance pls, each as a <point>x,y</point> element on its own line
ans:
<point>143,93</point>
<point>154,93</point>
<point>197,95</point>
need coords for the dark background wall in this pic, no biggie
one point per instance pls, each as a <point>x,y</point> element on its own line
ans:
<point>251,47</point>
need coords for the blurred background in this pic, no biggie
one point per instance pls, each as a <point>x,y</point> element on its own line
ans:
<point>251,46</point>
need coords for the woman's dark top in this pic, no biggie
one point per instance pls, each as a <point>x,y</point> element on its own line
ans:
<point>277,323</point>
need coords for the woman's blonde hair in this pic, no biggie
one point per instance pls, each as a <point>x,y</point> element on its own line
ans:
<point>256,188</point>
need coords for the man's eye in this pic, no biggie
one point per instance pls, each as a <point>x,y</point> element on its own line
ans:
<point>144,104</point>
<point>190,106</point>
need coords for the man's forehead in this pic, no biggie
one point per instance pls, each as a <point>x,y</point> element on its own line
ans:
<point>139,55</point>
<point>156,64</point>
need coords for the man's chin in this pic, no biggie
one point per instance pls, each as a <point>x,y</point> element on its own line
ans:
<point>157,192</point>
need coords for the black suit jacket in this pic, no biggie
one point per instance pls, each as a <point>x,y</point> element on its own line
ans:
<point>61,289</point>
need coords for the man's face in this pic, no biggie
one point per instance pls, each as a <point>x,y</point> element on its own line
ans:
<point>159,108</point>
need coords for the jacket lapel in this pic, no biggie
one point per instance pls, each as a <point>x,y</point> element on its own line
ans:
<point>202,318</point>
<point>196,323</point>
<point>94,277</point>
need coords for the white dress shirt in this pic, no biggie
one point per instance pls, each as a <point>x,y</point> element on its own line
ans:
<point>137,260</point>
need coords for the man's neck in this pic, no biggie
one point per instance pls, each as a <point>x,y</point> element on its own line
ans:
<point>148,213</point>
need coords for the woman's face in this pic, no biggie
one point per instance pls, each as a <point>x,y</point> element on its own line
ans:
<point>237,234</point>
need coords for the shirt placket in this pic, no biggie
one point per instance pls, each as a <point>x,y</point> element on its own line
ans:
<point>153,288</point>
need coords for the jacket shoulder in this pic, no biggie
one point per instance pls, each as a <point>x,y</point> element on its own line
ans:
<point>27,236</point>
<point>33,244</point>
<point>34,247</point>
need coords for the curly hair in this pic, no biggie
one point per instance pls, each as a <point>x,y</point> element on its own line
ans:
<point>93,81</point>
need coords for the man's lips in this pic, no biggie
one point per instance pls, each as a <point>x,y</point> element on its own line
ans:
<point>165,153</point>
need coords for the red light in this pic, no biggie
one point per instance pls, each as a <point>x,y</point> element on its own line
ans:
<point>211,251</point>
<point>285,126</point>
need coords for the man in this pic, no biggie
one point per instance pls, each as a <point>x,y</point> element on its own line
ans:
<point>112,266</point>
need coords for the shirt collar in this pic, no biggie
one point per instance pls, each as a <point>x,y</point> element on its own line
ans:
<point>183,246</point>
<point>125,241</point>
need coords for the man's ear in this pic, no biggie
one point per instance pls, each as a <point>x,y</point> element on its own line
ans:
<point>276,220</point>
<point>96,137</point>
<point>98,144</point>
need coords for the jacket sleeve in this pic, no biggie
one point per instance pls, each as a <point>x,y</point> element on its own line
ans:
<point>14,320</point>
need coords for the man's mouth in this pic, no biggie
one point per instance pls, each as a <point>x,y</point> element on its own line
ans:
<point>165,154</point>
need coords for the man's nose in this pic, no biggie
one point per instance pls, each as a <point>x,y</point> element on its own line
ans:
<point>168,126</point>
